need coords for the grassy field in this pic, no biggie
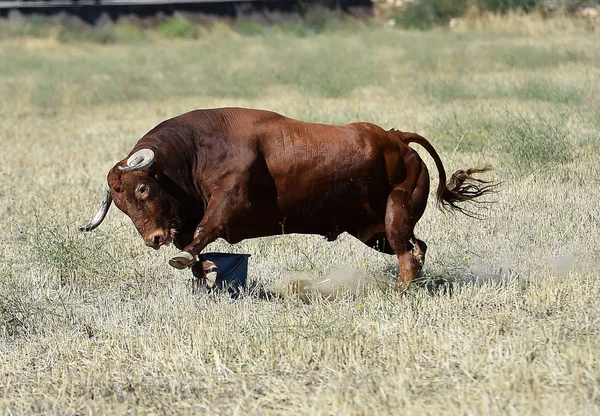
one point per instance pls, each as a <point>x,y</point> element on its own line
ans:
<point>98,323</point>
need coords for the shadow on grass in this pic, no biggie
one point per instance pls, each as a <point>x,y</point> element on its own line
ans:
<point>447,283</point>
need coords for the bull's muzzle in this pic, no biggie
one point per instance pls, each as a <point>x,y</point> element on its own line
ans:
<point>159,238</point>
<point>155,240</point>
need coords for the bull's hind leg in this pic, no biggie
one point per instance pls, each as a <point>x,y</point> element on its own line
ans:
<point>400,220</point>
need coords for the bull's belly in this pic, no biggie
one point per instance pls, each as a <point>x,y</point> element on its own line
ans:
<point>328,215</point>
<point>292,224</point>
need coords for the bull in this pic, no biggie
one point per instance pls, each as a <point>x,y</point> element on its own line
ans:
<point>239,173</point>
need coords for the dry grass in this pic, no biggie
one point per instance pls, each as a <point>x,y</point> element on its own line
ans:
<point>98,323</point>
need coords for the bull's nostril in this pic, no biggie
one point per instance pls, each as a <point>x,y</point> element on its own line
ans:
<point>156,239</point>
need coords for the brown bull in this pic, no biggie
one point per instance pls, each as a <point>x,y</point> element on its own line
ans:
<point>237,173</point>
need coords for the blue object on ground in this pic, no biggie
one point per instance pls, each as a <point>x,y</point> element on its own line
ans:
<point>232,270</point>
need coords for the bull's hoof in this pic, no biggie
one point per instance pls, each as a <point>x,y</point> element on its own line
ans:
<point>182,260</point>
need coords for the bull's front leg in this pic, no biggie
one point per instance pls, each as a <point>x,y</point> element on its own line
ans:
<point>223,205</point>
<point>204,235</point>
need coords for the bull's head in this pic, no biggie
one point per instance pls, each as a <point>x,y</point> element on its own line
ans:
<point>135,187</point>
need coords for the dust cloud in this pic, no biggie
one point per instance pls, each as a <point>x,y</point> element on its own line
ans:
<point>342,282</point>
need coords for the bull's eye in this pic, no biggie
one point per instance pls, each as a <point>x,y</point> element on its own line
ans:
<point>142,192</point>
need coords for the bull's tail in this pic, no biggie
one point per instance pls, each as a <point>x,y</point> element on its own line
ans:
<point>462,186</point>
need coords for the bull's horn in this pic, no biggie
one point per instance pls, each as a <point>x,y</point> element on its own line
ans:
<point>140,160</point>
<point>102,210</point>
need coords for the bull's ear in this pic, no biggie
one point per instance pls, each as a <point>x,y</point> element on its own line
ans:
<point>156,169</point>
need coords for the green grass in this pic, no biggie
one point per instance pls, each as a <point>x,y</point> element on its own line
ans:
<point>321,67</point>
<point>447,90</point>
<point>545,143</point>
<point>524,143</point>
<point>99,323</point>
<point>532,57</point>
<point>87,34</point>
<point>178,27</point>
<point>544,90</point>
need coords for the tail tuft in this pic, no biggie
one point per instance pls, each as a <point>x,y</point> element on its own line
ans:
<point>464,187</point>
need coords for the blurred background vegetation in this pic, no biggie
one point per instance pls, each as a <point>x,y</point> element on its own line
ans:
<point>310,18</point>
<point>424,14</point>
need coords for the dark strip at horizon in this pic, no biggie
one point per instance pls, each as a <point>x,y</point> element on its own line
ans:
<point>98,3</point>
<point>91,10</point>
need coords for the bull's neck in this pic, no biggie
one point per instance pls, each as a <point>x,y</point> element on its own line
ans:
<point>174,189</point>
<point>175,162</point>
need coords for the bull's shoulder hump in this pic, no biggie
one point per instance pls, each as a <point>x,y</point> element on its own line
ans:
<point>218,114</point>
<point>232,113</point>
<point>366,126</point>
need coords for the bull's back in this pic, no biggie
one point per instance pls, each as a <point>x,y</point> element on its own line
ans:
<point>326,170</point>
<point>306,156</point>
